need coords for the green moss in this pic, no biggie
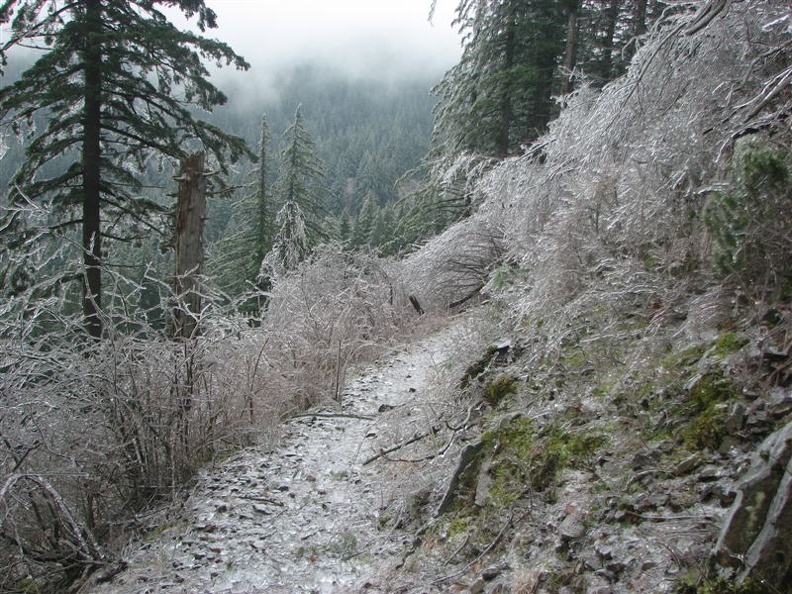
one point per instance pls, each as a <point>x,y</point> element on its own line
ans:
<point>685,358</point>
<point>522,455</point>
<point>727,343</point>
<point>29,585</point>
<point>705,430</point>
<point>157,531</point>
<point>707,396</point>
<point>712,388</point>
<point>459,525</point>
<point>575,358</point>
<point>499,388</point>
<point>695,584</point>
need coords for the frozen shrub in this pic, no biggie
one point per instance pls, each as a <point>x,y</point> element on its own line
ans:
<point>749,221</point>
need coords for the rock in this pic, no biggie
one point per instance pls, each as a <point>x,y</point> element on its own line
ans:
<point>493,571</point>
<point>688,464</point>
<point>780,402</point>
<point>572,527</point>
<point>755,535</point>
<point>734,422</point>
<point>645,459</point>
<point>483,484</point>
<point>729,443</point>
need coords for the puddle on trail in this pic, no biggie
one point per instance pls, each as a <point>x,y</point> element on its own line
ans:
<point>305,517</point>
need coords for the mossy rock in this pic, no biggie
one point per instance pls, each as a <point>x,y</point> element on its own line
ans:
<point>521,454</point>
<point>708,397</point>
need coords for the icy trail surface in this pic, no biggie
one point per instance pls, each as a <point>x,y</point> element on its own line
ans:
<point>306,516</point>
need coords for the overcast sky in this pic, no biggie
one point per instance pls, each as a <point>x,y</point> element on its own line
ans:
<point>383,36</point>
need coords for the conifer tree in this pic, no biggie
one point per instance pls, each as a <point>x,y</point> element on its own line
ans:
<point>238,255</point>
<point>361,234</point>
<point>498,96</point>
<point>298,190</point>
<point>265,224</point>
<point>115,81</point>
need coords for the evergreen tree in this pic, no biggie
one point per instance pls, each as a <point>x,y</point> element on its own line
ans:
<point>265,224</point>
<point>361,234</point>
<point>239,254</point>
<point>291,245</point>
<point>115,82</point>
<point>498,96</point>
<point>298,190</point>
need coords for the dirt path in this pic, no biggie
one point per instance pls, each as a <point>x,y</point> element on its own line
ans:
<point>306,517</point>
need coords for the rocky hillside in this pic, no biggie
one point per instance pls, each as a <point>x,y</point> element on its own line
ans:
<point>632,437</point>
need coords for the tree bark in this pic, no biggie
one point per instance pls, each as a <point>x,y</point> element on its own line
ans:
<point>190,216</point>
<point>571,50</point>
<point>91,179</point>
<point>612,16</point>
<point>506,108</point>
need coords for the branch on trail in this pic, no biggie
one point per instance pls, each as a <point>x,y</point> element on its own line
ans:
<point>333,416</point>
<point>467,297</point>
<point>440,452</point>
<point>416,306</point>
<point>416,437</point>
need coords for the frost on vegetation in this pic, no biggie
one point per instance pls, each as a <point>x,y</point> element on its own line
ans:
<point>117,425</point>
<point>331,311</point>
<point>454,266</point>
<point>603,215</point>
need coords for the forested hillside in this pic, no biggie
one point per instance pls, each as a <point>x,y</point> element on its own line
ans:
<point>604,193</point>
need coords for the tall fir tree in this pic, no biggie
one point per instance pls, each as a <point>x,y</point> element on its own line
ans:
<point>299,192</point>
<point>116,82</point>
<point>499,95</point>
<point>264,233</point>
<point>250,232</point>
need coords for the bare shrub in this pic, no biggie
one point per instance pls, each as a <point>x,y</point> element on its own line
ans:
<point>335,309</point>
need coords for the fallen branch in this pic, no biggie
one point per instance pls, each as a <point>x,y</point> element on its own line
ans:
<point>431,456</point>
<point>413,439</point>
<point>333,416</point>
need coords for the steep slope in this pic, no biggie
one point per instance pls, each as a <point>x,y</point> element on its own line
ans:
<point>638,258</point>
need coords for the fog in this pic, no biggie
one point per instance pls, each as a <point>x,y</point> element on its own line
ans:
<point>383,38</point>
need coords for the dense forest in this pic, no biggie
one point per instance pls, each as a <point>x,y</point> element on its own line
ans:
<point>607,179</point>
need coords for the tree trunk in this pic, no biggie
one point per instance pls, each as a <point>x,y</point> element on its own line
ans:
<point>639,25</point>
<point>612,16</point>
<point>570,53</point>
<point>506,108</point>
<point>190,216</point>
<point>91,180</point>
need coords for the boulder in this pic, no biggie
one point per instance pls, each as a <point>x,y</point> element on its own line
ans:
<point>755,536</point>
